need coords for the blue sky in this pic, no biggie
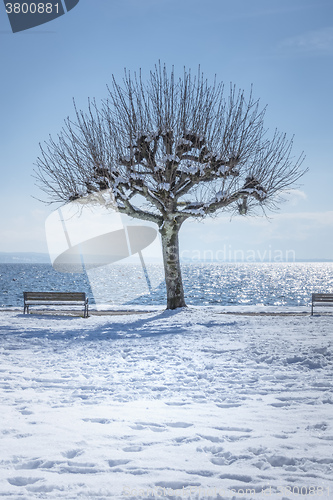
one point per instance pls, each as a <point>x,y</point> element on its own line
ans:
<point>284,48</point>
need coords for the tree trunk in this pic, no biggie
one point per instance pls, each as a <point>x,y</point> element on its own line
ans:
<point>173,276</point>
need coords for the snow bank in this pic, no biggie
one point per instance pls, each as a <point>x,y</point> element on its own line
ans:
<point>190,404</point>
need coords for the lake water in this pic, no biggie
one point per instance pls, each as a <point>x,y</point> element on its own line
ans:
<point>289,284</point>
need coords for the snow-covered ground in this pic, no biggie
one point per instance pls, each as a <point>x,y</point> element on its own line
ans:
<point>190,404</point>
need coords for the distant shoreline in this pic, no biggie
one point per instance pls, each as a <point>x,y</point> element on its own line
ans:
<point>24,258</point>
<point>44,258</point>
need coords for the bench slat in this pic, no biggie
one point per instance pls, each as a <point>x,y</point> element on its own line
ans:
<point>54,296</point>
<point>54,302</point>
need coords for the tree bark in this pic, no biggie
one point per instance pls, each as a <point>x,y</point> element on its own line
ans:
<point>173,276</point>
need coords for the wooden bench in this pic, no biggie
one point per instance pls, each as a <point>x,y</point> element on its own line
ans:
<point>321,299</point>
<point>55,299</point>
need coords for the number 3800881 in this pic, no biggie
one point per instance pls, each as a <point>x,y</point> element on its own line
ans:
<point>32,8</point>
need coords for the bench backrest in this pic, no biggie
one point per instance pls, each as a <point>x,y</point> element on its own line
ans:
<point>322,297</point>
<point>64,296</point>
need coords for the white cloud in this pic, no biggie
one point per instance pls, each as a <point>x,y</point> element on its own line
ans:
<point>298,226</point>
<point>317,41</point>
<point>318,218</point>
<point>295,226</point>
<point>294,196</point>
<point>322,218</point>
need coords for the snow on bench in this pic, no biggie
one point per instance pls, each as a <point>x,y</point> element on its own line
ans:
<point>55,299</point>
<point>321,299</point>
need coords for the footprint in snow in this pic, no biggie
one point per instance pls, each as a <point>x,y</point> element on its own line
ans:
<point>280,461</point>
<point>182,425</point>
<point>204,473</point>
<point>26,412</point>
<point>233,429</point>
<point>228,405</point>
<point>72,453</point>
<point>79,468</point>
<point>175,403</point>
<point>281,404</point>
<point>215,450</point>
<point>157,428</point>
<point>129,449</point>
<point>139,426</point>
<point>212,439</point>
<point>224,459</point>
<point>97,420</point>
<point>280,436</point>
<point>23,481</point>
<point>175,485</point>
<point>31,464</point>
<point>115,463</point>
<point>237,477</point>
<point>138,472</point>
<point>321,426</point>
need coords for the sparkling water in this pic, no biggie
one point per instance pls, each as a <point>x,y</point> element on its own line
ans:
<point>289,284</point>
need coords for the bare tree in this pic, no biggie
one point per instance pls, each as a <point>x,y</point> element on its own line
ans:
<point>167,150</point>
